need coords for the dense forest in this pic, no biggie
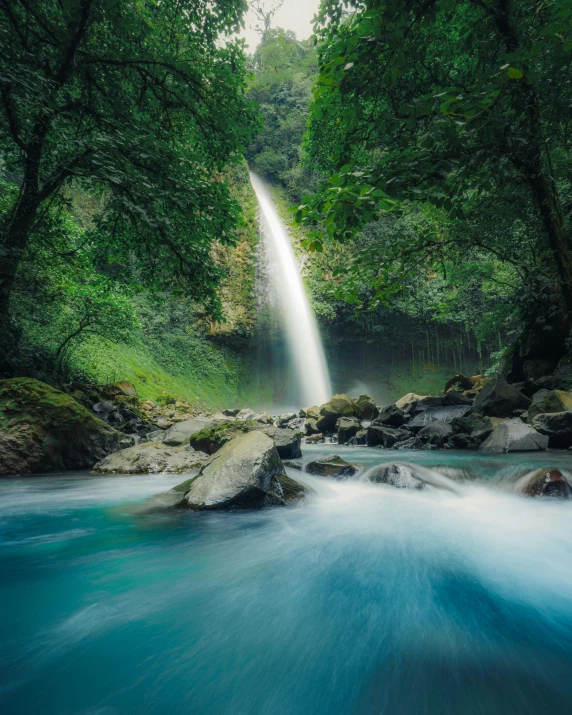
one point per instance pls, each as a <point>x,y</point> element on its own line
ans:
<point>418,151</point>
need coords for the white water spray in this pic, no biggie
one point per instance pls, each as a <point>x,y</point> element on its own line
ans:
<point>300,326</point>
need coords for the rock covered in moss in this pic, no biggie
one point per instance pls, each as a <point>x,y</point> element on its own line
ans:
<point>212,439</point>
<point>246,472</point>
<point>151,458</point>
<point>45,430</point>
<point>549,401</point>
<point>331,411</point>
<point>367,408</point>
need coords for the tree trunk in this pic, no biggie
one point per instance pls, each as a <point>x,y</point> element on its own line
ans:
<point>554,226</point>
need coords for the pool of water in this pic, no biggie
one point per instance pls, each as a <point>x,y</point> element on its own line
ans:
<point>362,599</point>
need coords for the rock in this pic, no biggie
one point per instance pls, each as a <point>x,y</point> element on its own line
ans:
<point>513,436</point>
<point>115,419</point>
<point>450,399</point>
<point>114,389</point>
<point>409,443</point>
<point>211,439</point>
<point>391,416</point>
<point>293,465</point>
<point>408,399</point>
<point>162,423</point>
<point>287,441</point>
<point>246,414</point>
<point>150,458</point>
<point>541,367</point>
<point>264,418</point>
<point>330,412</point>
<point>296,424</point>
<point>438,414</point>
<point>458,441</point>
<point>232,412</point>
<point>397,475</point>
<point>557,426</point>
<point>465,425</point>
<point>483,429</point>
<point>312,412</point>
<point>549,401</point>
<point>360,437</point>
<point>103,409</point>
<point>367,409</point>
<point>333,466</point>
<point>246,472</point>
<point>180,433</point>
<point>499,399</point>
<point>549,483</point>
<point>315,438</point>
<point>311,426</point>
<point>380,435</point>
<point>285,418</point>
<point>347,427</point>
<point>562,379</point>
<point>45,430</point>
<point>435,433</point>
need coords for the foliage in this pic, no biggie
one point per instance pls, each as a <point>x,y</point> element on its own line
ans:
<point>460,105</point>
<point>138,103</point>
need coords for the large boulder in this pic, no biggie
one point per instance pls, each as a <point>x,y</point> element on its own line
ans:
<point>286,441</point>
<point>151,458</point>
<point>513,436</point>
<point>383,436</point>
<point>45,430</point>
<point>483,428</point>
<point>557,426</point>
<point>435,433</point>
<point>367,409</point>
<point>210,440</point>
<point>246,472</point>
<point>181,432</point>
<point>331,411</point>
<point>333,466</point>
<point>549,401</point>
<point>407,399</point>
<point>548,483</point>
<point>444,414</point>
<point>312,412</point>
<point>311,426</point>
<point>347,428</point>
<point>499,399</point>
<point>391,416</point>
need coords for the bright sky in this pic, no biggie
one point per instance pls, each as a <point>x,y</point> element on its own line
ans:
<point>293,15</point>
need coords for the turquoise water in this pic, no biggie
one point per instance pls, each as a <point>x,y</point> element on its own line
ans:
<point>363,599</point>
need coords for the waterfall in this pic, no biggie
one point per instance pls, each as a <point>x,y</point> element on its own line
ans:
<point>300,328</point>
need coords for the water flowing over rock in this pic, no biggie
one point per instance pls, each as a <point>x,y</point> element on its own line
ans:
<point>513,436</point>
<point>499,399</point>
<point>45,430</point>
<point>247,473</point>
<point>300,326</point>
<point>408,476</point>
<point>333,466</point>
<point>548,483</point>
<point>151,458</point>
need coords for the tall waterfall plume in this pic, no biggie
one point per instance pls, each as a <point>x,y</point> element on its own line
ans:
<point>300,328</point>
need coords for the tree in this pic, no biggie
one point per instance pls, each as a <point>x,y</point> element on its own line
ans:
<point>448,102</point>
<point>265,16</point>
<point>140,102</point>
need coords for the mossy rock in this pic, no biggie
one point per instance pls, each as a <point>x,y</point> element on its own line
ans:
<point>210,440</point>
<point>45,430</point>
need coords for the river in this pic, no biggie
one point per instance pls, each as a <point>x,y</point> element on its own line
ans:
<point>361,599</point>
